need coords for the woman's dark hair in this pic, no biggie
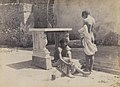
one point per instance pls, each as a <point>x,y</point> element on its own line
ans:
<point>63,40</point>
<point>85,13</point>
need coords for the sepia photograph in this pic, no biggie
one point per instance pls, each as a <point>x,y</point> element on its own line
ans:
<point>59,43</point>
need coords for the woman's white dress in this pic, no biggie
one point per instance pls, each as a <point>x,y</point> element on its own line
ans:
<point>89,47</point>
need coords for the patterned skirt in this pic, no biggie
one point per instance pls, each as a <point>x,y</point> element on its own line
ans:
<point>64,68</point>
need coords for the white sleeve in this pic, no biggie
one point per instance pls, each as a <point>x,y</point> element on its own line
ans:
<point>81,30</point>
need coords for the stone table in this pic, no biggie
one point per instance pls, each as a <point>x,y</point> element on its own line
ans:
<point>41,56</point>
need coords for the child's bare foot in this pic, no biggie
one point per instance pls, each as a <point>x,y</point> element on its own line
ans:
<point>70,75</point>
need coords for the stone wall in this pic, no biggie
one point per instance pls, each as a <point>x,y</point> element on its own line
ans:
<point>106,13</point>
<point>66,13</point>
<point>17,18</point>
<point>11,18</point>
<point>8,1</point>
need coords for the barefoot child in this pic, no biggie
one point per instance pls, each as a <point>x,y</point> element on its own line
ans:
<point>65,63</point>
<point>88,40</point>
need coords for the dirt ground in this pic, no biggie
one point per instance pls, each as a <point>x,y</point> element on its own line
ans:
<point>16,70</point>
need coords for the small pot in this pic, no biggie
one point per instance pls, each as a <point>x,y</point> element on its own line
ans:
<point>53,77</point>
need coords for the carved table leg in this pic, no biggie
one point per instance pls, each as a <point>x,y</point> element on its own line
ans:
<point>41,56</point>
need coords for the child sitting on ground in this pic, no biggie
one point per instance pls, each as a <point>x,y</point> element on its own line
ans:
<point>65,63</point>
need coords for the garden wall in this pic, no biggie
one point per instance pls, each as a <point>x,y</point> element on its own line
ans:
<point>11,18</point>
<point>17,18</point>
<point>105,12</point>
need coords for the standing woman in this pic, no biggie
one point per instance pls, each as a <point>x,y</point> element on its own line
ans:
<point>88,40</point>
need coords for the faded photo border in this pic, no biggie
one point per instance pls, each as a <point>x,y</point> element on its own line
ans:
<point>18,52</point>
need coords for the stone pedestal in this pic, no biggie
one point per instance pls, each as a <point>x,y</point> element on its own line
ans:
<point>41,56</point>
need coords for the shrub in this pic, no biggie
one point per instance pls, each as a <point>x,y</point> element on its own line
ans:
<point>16,37</point>
<point>74,36</point>
<point>111,39</point>
<point>75,43</point>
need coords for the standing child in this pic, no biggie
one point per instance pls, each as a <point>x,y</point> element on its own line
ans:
<point>88,40</point>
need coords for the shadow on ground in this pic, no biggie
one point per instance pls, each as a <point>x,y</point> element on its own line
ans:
<point>23,65</point>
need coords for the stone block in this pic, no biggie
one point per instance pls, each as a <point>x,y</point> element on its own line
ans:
<point>44,63</point>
